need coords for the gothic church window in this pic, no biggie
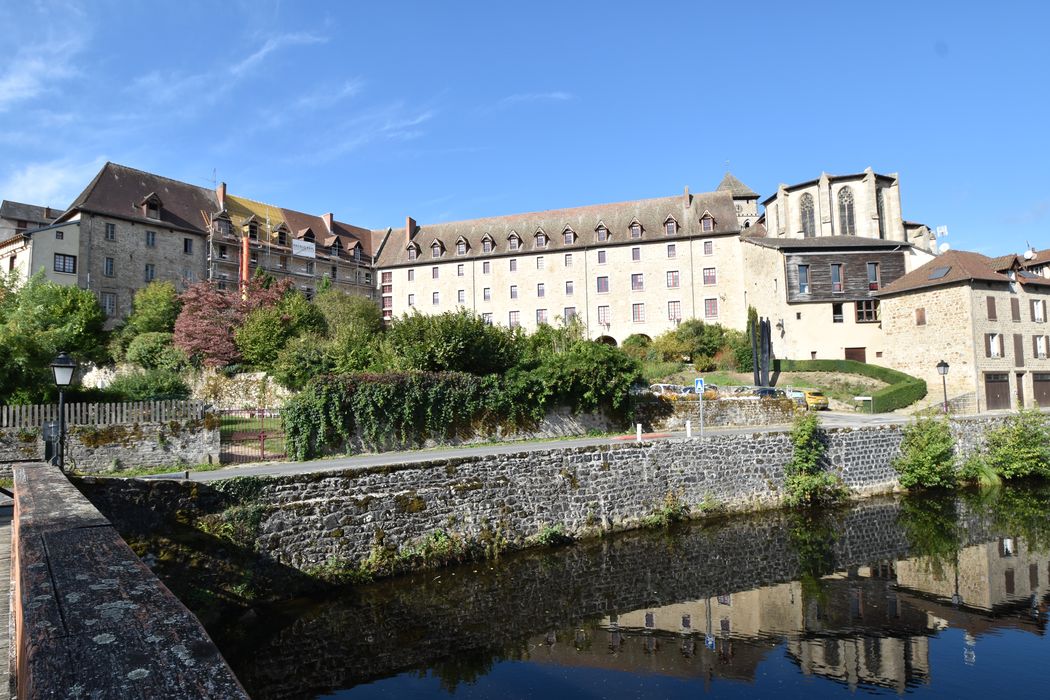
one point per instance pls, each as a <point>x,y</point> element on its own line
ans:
<point>807,213</point>
<point>847,220</point>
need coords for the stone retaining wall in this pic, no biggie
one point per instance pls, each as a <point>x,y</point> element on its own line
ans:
<point>91,620</point>
<point>736,411</point>
<point>340,518</point>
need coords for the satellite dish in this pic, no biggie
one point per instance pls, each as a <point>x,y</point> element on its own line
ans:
<point>1029,254</point>
<point>943,247</point>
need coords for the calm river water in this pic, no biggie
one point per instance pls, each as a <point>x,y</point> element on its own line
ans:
<point>936,597</point>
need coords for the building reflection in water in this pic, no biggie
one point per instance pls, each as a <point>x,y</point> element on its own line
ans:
<point>866,626</point>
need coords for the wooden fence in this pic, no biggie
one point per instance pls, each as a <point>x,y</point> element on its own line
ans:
<point>129,412</point>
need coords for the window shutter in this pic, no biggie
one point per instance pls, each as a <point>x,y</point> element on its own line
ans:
<point>991,308</point>
<point>1035,346</point>
<point>920,316</point>
<point>1015,309</point>
<point>987,344</point>
<point>1002,344</point>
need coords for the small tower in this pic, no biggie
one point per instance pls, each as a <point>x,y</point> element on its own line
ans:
<point>744,197</point>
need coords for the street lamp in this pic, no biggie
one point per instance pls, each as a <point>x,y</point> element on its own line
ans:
<point>942,369</point>
<point>62,367</point>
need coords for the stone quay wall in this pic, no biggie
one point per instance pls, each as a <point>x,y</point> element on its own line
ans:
<point>721,412</point>
<point>90,619</point>
<point>340,518</point>
<point>93,449</point>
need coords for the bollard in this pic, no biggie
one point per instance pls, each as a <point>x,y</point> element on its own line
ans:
<point>689,428</point>
<point>638,433</point>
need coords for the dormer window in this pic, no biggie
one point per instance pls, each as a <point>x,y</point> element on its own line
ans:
<point>435,250</point>
<point>309,237</point>
<point>222,226</point>
<point>357,253</point>
<point>568,236</point>
<point>413,252</point>
<point>602,234</point>
<point>282,238</point>
<point>253,231</point>
<point>707,223</point>
<point>541,239</point>
<point>487,245</point>
<point>461,246</point>
<point>151,206</point>
<point>636,230</point>
<point>670,227</point>
<point>514,242</point>
<point>335,249</point>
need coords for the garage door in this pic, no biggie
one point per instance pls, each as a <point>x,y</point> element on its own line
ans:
<point>997,391</point>
<point>1041,385</point>
<point>858,354</point>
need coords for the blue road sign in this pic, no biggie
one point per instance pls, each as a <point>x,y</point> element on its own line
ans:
<point>698,385</point>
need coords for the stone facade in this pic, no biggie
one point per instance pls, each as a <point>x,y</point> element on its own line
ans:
<point>329,518</point>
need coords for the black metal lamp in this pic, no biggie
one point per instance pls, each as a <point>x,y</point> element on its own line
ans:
<point>62,367</point>
<point>942,369</point>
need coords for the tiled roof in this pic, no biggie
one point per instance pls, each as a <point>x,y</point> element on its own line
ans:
<point>17,211</point>
<point>118,191</point>
<point>616,217</point>
<point>825,243</point>
<point>735,187</point>
<point>948,268</point>
<point>241,209</point>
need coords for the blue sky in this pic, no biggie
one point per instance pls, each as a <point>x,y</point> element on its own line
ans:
<point>446,111</point>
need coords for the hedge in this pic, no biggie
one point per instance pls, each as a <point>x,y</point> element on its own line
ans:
<point>903,389</point>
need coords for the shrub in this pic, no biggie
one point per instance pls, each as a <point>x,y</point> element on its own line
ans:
<point>151,385</point>
<point>300,360</point>
<point>266,330</point>
<point>637,346</point>
<point>1020,448</point>
<point>807,483</point>
<point>155,351</point>
<point>455,341</point>
<point>903,389</point>
<point>927,458</point>
<point>343,311</point>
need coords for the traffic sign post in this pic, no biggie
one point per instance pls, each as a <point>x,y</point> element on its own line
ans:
<point>698,387</point>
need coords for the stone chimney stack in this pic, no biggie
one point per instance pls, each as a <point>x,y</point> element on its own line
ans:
<point>410,229</point>
<point>327,218</point>
<point>688,199</point>
<point>220,193</point>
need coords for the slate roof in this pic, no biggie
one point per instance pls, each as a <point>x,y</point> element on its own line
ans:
<point>240,209</point>
<point>118,191</point>
<point>17,211</point>
<point>825,243</point>
<point>616,217</point>
<point>962,266</point>
<point>738,189</point>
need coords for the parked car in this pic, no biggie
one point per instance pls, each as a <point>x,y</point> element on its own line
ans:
<point>666,389</point>
<point>768,392</point>
<point>815,400</point>
<point>798,396</point>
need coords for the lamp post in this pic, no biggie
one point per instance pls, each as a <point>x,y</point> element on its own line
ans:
<point>62,367</point>
<point>942,369</point>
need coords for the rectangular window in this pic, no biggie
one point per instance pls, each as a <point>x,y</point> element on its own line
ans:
<point>603,285</point>
<point>539,262</point>
<point>388,277</point>
<point>568,288</point>
<point>434,272</point>
<point>568,313</point>
<point>874,280</point>
<point>1040,346</point>
<point>603,234</point>
<point>411,276</point>
<point>541,290</point>
<point>151,239</point>
<point>670,227</point>
<point>65,263</point>
<point>459,270</point>
<point>335,272</point>
<point>461,296</point>
<point>674,311</point>
<point>1038,310</point>
<point>803,279</point>
<point>710,308</point>
<point>107,267</point>
<point>435,298</point>
<point>309,265</point>
<point>411,299</point>
<point>486,246</point>
<point>568,260</point>
<point>513,243</point>
<point>707,224</point>
<point>387,288</point>
<point>568,237</point>
<point>513,291</point>
<point>671,250</point>
<point>435,250</point>
<point>709,247</point>
<point>672,279</point>
<point>920,316</point>
<point>868,311</point>
<point>388,302</point>
<point>638,313</point>
<point>187,246</point>
<point>601,257</point>
<point>541,316</point>
<point>636,231</point>
<point>109,303</point>
<point>636,254</point>
<point>637,282</point>
<point>990,303</point>
<point>604,317</point>
<point>60,235</point>
<point>413,253</point>
<point>111,232</point>
<point>836,277</point>
<point>709,276</point>
<point>836,313</point>
<point>993,345</point>
<point>224,253</point>
<point>150,273</point>
<point>461,248</point>
<point>486,294</point>
<point>487,319</point>
<point>513,265</point>
<point>253,257</point>
<point>513,319</point>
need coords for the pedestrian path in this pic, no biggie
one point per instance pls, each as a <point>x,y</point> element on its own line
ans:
<point>5,597</point>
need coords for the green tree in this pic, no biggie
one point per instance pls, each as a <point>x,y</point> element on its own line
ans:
<point>267,329</point>
<point>301,360</point>
<point>343,311</point>
<point>455,341</point>
<point>37,321</point>
<point>927,457</point>
<point>806,481</point>
<point>155,351</point>
<point>154,309</point>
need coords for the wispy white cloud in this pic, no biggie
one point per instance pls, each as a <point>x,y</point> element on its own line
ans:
<point>556,96</point>
<point>392,123</point>
<point>326,96</point>
<point>52,183</point>
<point>32,74</point>
<point>271,45</point>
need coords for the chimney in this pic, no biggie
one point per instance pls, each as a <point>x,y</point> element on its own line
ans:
<point>220,193</point>
<point>327,218</point>
<point>410,229</point>
<point>688,199</point>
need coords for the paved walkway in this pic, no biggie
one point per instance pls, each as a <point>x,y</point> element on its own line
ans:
<point>6,508</point>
